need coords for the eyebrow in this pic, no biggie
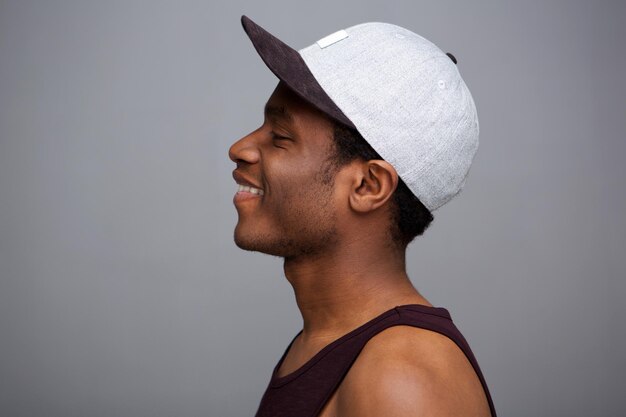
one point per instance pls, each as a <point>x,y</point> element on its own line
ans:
<point>277,112</point>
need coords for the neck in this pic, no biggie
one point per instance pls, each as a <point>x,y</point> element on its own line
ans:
<point>344,288</point>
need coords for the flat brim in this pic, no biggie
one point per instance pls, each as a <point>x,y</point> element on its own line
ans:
<point>287,64</point>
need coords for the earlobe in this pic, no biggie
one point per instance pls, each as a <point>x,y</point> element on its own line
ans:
<point>376,182</point>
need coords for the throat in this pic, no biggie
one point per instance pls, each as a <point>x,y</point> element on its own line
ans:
<point>332,304</point>
<point>341,289</point>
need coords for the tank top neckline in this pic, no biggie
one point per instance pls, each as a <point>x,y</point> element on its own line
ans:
<point>277,381</point>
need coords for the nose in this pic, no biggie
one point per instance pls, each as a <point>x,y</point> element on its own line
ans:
<point>245,150</point>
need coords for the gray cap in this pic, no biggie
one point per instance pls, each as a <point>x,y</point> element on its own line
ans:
<point>400,91</point>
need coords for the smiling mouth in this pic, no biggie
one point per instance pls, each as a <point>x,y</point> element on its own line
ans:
<point>248,189</point>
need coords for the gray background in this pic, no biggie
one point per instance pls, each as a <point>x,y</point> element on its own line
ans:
<point>121,292</point>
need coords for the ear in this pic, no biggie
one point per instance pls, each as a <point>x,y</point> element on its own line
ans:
<point>374,184</point>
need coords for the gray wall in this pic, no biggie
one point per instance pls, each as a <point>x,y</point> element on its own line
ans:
<point>121,292</point>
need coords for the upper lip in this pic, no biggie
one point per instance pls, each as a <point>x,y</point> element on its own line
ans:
<point>241,180</point>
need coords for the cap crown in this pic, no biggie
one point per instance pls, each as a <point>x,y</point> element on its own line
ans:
<point>407,99</point>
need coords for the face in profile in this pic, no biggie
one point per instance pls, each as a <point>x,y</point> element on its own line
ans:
<point>285,199</point>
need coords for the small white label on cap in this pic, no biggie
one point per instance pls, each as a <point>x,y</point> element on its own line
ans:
<point>332,38</point>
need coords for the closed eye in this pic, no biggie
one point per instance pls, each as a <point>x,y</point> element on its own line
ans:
<point>278,138</point>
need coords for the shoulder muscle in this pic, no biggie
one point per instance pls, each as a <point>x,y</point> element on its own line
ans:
<point>407,371</point>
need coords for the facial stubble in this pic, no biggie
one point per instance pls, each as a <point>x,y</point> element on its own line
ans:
<point>307,228</point>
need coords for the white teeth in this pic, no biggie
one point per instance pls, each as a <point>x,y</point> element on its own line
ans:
<point>248,189</point>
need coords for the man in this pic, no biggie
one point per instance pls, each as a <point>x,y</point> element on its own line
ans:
<point>367,132</point>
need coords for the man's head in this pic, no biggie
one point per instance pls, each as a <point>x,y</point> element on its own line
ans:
<point>381,103</point>
<point>403,95</point>
<point>305,179</point>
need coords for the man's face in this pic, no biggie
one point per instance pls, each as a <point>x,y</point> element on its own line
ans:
<point>290,208</point>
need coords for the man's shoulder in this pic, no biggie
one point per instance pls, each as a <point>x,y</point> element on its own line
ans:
<point>406,370</point>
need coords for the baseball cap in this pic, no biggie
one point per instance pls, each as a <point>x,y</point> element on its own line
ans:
<point>403,94</point>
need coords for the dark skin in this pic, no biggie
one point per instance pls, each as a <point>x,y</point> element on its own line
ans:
<point>331,225</point>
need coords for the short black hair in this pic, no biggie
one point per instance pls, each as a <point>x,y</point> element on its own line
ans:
<point>410,218</point>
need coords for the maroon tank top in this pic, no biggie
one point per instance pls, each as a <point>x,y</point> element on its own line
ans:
<point>304,392</point>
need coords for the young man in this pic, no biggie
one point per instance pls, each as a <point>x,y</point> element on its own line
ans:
<point>368,131</point>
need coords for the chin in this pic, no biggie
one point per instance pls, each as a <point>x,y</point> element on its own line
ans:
<point>254,245</point>
<point>284,246</point>
<point>257,243</point>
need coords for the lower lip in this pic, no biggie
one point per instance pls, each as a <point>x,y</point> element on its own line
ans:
<point>241,196</point>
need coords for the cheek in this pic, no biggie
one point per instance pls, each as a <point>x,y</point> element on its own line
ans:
<point>299,191</point>
<point>287,178</point>
<point>297,178</point>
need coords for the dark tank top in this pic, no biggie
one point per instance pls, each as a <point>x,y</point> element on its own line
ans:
<point>304,392</point>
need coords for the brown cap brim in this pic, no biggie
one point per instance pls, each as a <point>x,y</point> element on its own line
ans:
<point>287,64</point>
